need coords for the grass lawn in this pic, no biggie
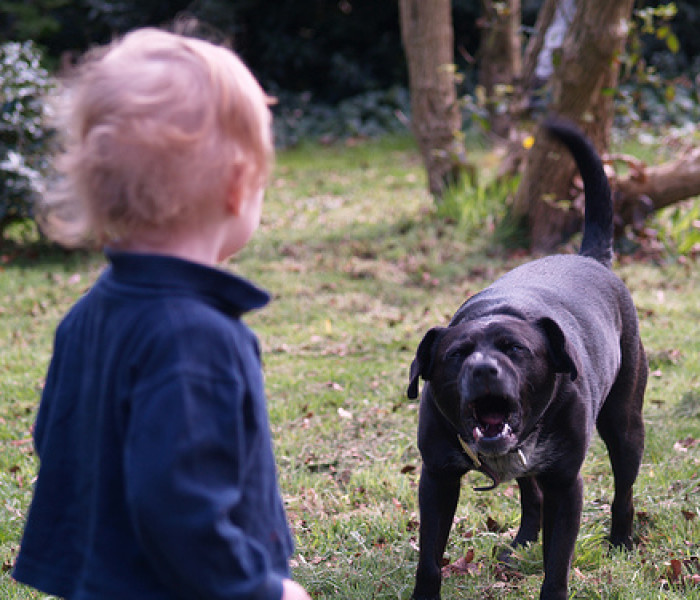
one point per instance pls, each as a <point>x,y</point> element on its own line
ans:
<point>360,268</point>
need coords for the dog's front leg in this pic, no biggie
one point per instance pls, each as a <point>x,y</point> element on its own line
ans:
<point>438,494</point>
<point>561,519</point>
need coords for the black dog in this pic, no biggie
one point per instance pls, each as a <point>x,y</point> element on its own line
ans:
<point>518,380</point>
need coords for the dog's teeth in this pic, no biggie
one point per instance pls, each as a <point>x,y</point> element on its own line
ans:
<point>506,429</point>
<point>477,433</point>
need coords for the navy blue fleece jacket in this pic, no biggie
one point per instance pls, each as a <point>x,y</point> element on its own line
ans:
<point>157,478</point>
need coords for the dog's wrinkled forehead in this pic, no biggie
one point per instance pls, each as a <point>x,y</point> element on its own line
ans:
<point>497,333</point>
<point>490,330</point>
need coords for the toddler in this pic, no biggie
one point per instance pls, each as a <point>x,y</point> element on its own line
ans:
<point>157,478</point>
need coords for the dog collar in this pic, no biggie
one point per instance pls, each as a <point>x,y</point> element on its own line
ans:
<point>484,468</point>
<point>469,451</point>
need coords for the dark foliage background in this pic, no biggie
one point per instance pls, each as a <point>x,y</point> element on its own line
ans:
<point>332,49</point>
<point>337,67</point>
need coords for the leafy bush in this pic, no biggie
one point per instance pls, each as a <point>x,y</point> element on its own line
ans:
<point>657,81</point>
<point>23,138</point>
<point>298,117</point>
<point>680,228</point>
<point>476,206</point>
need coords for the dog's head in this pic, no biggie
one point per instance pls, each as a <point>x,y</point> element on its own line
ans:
<point>492,377</point>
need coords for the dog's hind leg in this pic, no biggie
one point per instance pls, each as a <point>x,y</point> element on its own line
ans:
<point>621,426</point>
<point>530,517</point>
<point>531,511</point>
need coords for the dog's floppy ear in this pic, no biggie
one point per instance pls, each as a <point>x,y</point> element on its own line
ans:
<point>559,353</point>
<point>422,364</point>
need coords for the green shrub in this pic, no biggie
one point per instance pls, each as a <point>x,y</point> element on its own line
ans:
<point>657,81</point>
<point>679,227</point>
<point>371,114</point>
<point>475,206</point>
<point>23,137</point>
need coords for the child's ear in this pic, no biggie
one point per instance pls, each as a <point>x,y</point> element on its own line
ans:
<point>236,190</point>
<point>234,200</point>
<point>239,188</point>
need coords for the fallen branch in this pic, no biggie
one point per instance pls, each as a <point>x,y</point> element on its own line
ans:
<point>645,189</point>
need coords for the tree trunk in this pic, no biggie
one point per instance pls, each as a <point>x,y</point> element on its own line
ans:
<point>428,39</point>
<point>500,61</point>
<point>587,68</point>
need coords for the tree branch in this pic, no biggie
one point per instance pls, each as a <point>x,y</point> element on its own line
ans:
<point>647,189</point>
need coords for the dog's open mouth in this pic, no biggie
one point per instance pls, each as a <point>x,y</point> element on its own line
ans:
<point>492,416</point>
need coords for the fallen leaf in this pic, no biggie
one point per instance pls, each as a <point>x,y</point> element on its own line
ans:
<point>675,568</point>
<point>462,566</point>
<point>492,525</point>
<point>412,524</point>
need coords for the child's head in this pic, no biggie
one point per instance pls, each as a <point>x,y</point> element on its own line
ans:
<point>157,128</point>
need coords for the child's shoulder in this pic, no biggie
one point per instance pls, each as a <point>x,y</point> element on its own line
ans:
<point>149,301</point>
<point>171,300</point>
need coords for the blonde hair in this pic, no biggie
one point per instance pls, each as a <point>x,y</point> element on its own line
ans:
<point>154,126</point>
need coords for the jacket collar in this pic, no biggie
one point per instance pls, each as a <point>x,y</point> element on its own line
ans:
<point>163,274</point>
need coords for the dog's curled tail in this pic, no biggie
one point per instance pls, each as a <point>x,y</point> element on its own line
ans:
<point>598,220</point>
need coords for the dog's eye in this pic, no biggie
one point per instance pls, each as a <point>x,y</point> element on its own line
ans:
<point>459,354</point>
<point>512,348</point>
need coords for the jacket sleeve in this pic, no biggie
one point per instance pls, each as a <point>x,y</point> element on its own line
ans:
<point>185,461</point>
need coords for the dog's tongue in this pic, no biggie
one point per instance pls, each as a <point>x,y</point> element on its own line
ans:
<point>491,419</point>
<point>492,424</point>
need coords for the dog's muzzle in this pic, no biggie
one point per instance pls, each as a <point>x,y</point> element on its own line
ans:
<point>490,409</point>
<point>493,424</point>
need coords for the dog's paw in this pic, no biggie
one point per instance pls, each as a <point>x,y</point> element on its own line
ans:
<point>620,543</point>
<point>504,555</point>
<point>507,555</point>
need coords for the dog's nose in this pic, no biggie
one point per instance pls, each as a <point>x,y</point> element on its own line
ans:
<point>484,370</point>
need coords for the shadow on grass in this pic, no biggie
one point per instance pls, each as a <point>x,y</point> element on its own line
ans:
<point>23,246</point>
